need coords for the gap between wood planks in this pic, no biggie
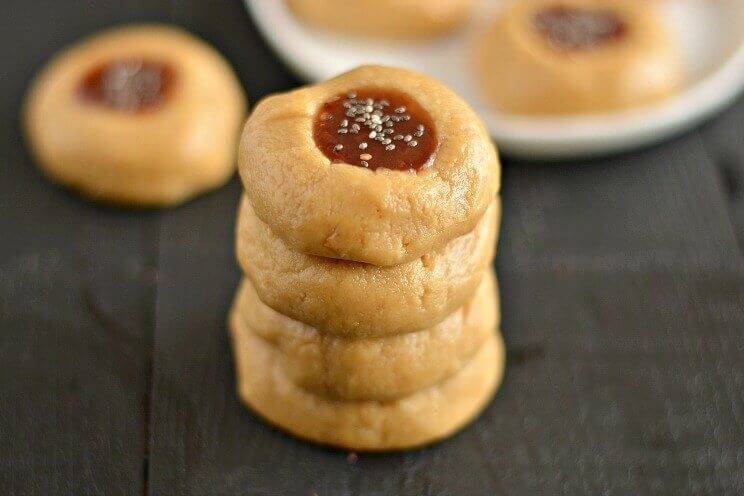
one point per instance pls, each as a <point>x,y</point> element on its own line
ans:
<point>151,322</point>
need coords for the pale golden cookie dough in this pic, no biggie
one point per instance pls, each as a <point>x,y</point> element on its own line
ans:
<point>385,18</point>
<point>383,217</point>
<point>370,369</point>
<point>354,299</point>
<point>522,72</point>
<point>421,418</point>
<point>148,157</point>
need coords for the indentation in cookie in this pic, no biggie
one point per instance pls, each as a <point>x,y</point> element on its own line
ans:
<point>130,84</point>
<point>572,28</point>
<point>375,127</point>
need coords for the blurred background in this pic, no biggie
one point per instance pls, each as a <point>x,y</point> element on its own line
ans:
<point>621,278</point>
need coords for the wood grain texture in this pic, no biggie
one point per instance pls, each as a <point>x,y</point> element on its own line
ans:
<point>623,297</point>
<point>623,303</point>
<point>724,141</point>
<point>77,284</point>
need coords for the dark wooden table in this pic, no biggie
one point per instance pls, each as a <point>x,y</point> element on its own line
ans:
<point>623,302</point>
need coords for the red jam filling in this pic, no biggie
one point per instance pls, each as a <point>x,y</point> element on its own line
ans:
<point>570,28</point>
<point>132,84</point>
<point>373,128</point>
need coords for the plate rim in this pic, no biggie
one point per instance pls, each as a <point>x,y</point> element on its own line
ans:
<point>564,137</point>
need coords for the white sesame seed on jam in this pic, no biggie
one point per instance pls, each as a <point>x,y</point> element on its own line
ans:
<point>369,120</point>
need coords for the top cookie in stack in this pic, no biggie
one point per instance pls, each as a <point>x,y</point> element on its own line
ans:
<point>369,221</point>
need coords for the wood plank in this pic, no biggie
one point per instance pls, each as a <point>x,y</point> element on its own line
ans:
<point>661,207</point>
<point>723,135</point>
<point>621,287</point>
<point>77,285</point>
<point>623,308</point>
<point>619,383</point>
<point>194,404</point>
<point>724,142</point>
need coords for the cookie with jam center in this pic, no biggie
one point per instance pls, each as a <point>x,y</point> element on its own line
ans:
<point>142,115</point>
<point>576,57</point>
<point>378,165</point>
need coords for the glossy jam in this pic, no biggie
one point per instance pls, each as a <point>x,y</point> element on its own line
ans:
<point>569,28</point>
<point>374,128</point>
<point>132,85</point>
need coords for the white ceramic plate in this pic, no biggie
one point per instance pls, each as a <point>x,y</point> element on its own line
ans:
<point>710,31</point>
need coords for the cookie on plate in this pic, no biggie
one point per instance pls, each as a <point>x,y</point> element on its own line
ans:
<point>576,57</point>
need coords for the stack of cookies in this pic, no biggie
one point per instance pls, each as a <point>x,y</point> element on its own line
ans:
<point>368,314</point>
